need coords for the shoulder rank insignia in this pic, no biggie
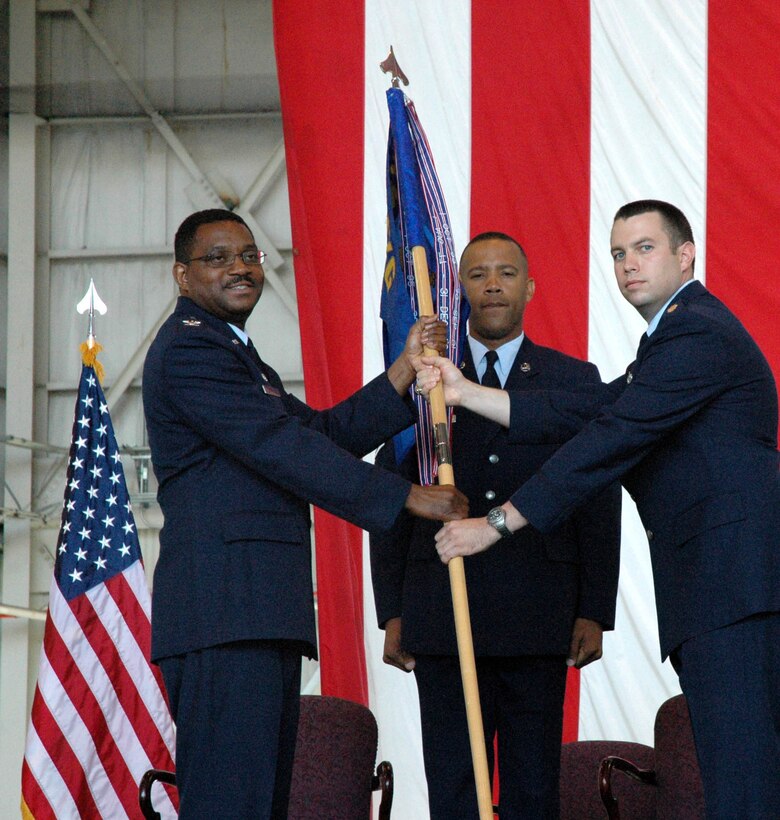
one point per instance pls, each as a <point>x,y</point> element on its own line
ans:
<point>672,308</point>
<point>525,367</point>
<point>629,377</point>
<point>191,322</point>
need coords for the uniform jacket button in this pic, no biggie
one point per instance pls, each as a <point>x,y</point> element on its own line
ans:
<point>493,458</point>
<point>490,495</point>
<point>649,535</point>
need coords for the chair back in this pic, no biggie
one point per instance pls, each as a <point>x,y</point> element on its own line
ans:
<point>334,760</point>
<point>680,792</point>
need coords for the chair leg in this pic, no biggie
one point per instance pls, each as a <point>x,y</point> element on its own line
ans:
<point>383,780</point>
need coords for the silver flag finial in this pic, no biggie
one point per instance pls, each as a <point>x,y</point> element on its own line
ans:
<point>91,303</point>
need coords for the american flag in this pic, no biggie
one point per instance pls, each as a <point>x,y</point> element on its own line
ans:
<point>99,717</point>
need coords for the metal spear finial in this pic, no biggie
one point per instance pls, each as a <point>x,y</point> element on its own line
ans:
<point>390,66</point>
<point>91,302</point>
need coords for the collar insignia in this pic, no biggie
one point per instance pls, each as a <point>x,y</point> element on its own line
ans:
<point>672,308</point>
<point>525,367</point>
<point>191,322</point>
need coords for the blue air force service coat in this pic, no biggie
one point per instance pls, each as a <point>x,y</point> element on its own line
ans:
<point>526,591</point>
<point>691,431</point>
<point>238,460</point>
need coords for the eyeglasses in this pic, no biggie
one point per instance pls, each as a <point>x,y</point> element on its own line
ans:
<point>223,259</point>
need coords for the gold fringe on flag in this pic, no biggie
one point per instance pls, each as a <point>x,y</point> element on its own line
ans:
<point>89,354</point>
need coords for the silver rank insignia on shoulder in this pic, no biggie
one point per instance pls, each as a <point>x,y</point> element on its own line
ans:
<point>191,322</point>
<point>672,308</point>
<point>525,367</point>
<point>629,377</point>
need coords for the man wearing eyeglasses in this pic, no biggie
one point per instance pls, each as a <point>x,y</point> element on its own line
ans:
<point>238,461</point>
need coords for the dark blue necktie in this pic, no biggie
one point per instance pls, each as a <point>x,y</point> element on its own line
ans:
<point>490,379</point>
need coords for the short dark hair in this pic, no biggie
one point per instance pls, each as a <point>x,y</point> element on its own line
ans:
<point>675,223</point>
<point>486,235</point>
<point>185,235</point>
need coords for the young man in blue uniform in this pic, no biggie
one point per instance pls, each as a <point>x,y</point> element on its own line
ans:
<point>691,432</point>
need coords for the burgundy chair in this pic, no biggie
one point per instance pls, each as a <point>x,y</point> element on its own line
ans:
<point>580,797</point>
<point>333,771</point>
<point>672,778</point>
<point>660,783</point>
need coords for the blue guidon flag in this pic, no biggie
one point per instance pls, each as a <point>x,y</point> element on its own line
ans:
<point>417,216</point>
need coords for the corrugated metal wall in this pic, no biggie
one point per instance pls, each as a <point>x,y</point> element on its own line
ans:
<point>110,190</point>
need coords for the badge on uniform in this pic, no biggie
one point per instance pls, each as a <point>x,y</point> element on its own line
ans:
<point>672,308</point>
<point>270,390</point>
<point>525,367</point>
<point>191,322</point>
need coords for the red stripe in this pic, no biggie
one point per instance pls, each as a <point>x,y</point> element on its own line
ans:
<point>33,798</point>
<point>319,52</point>
<point>743,165</point>
<point>90,711</point>
<point>530,166</point>
<point>63,758</point>
<point>126,599</point>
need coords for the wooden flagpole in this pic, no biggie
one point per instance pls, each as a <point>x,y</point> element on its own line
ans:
<point>445,475</point>
<point>460,602</point>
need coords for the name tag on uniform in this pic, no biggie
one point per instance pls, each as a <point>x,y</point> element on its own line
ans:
<point>270,390</point>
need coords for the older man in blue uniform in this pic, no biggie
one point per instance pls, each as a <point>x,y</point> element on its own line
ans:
<point>238,461</point>
<point>691,431</point>
<point>528,617</point>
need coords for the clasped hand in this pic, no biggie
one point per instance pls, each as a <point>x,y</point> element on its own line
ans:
<point>474,535</point>
<point>465,537</point>
<point>431,370</point>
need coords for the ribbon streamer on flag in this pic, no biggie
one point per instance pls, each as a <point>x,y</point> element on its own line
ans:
<point>99,717</point>
<point>417,217</point>
<point>420,248</point>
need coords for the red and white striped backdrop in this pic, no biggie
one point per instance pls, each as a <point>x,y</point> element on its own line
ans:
<point>543,119</point>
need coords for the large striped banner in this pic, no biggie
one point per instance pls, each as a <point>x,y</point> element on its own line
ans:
<point>543,119</point>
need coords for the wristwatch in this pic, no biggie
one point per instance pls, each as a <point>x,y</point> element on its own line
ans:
<point>497,519</point>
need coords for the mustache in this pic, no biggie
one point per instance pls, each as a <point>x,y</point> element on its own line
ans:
<point>244,277</point>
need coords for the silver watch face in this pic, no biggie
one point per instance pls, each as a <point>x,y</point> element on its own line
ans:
<point>496,516</point>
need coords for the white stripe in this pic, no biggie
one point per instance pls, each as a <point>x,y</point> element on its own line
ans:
<point>136,577</point>
<point>432,42</point>
<point>648,140</point>
<point>48,777</point>
<point>134,660</point>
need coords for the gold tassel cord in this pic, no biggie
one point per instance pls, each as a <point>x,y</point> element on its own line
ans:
<point>89,356</point>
